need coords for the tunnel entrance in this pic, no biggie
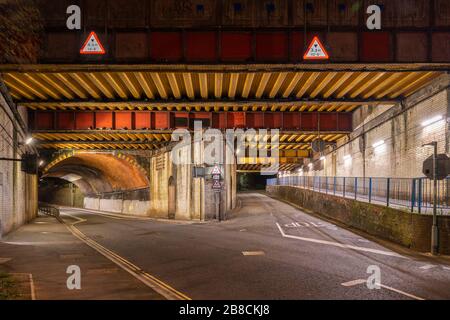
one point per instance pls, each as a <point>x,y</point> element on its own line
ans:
<point>60,192</point>
<point>251,181</point>
<point>96,180</point>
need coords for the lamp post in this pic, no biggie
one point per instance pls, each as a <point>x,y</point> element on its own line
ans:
<point>434,228</point>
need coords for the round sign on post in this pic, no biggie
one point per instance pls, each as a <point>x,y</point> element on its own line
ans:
<point>442,167</point>
<point>318,145</point>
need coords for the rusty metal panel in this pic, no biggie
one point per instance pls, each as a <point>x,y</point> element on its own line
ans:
<point>272,46</point>
<point>273,13</point>
<point>442,13</point>
<point>180,119</point>
<point>309,121</point>
<point>297,46</point>
<point>201,46</point>
<point>345,122</point>
<point>142,120</point>
<point>255,120</point>
<point>316,12</point>
<point>104,120</point>
<point>238,13</point>
<point>127,13</point>
<point>96,13</point>
<point>166,46</point>
<point>84,120</point>
<point>403,13</point>
<point>376,47</point>
<point>54,12</point>
<point>219,120</point>
<point>161,120</point>
<point>388,12</point>
<point>131,45</point>
<point>411,13</point>
<point>123,120</point>
<point>236,46</point>
<point>343,13</point>
<point>44,120</point>
<point>343,46</point>
<point>183,13</point>
<point>236,120</point>
<point>61,46</point>
<point>65,121</point>
<point>291,120</point>
<point>441,47</point>
<point>328,121</point>
<point>412,47</point>
<point>273,120</point>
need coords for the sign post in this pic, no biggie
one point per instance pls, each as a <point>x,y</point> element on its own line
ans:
<point>217,187</point>
<point>434,228</point>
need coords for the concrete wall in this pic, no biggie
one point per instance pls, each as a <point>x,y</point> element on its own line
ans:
<point>401,227</point>
<point>61,193</point>
<point>194,197</point>
<point>400,127</point>
<point>127,207</point>
<point>18,191</point>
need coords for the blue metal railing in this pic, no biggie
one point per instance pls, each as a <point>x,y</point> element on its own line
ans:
<point>414,194</point>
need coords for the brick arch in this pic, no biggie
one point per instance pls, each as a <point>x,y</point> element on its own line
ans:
<point>98,172</point>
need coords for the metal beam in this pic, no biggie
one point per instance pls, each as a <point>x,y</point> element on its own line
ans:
<point>226,68</point>
<point>220,102</point>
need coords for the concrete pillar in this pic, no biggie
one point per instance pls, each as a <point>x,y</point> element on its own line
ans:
<point>173,186</point>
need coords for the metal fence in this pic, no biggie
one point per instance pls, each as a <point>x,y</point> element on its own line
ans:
<point>414,194</point>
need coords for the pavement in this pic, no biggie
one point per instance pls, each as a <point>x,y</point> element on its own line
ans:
<point>267,250</point>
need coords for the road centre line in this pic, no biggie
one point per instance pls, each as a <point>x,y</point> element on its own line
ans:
<point>159,286</point>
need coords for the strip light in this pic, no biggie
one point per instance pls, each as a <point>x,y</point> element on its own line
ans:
<point>431,121</point>
<point>378,143</point>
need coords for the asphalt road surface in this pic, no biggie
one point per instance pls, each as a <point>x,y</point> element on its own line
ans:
<point>268,250</point>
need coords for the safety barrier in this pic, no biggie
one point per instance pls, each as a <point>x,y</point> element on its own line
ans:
<point>48,210</point>
<point>414,194</point>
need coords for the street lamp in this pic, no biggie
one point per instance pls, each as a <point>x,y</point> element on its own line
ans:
<point>29,140</point>
<point>434,228</point>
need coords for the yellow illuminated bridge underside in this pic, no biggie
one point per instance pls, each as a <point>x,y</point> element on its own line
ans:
<point>211,88</point>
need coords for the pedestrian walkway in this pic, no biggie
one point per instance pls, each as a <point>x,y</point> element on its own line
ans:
<point>45,249</point>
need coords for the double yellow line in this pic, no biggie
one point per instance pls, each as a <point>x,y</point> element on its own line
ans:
<point>159,286</point>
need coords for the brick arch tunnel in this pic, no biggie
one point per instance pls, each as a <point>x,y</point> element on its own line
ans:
<point>102,181</point>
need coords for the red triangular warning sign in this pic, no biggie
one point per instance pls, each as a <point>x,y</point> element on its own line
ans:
<point>92,45</point>
<point>316,51</point>
<point>217,185</point>
<point>216,170</point>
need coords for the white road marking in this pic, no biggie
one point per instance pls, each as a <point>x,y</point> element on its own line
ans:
<point>253,253</point>
<point>32,289</point>
<point>311,225</point>
<point>428,266</point>
<point>361,281</point>
<point>31,281</point>
<point>158,285</point>
<point>354,283</point>
<point>341,245</point>
<point>446,268</point>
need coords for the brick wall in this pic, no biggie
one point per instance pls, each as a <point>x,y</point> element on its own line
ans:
<point>18,191</point>
<point>400,127</point>
<point>401,227</point>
